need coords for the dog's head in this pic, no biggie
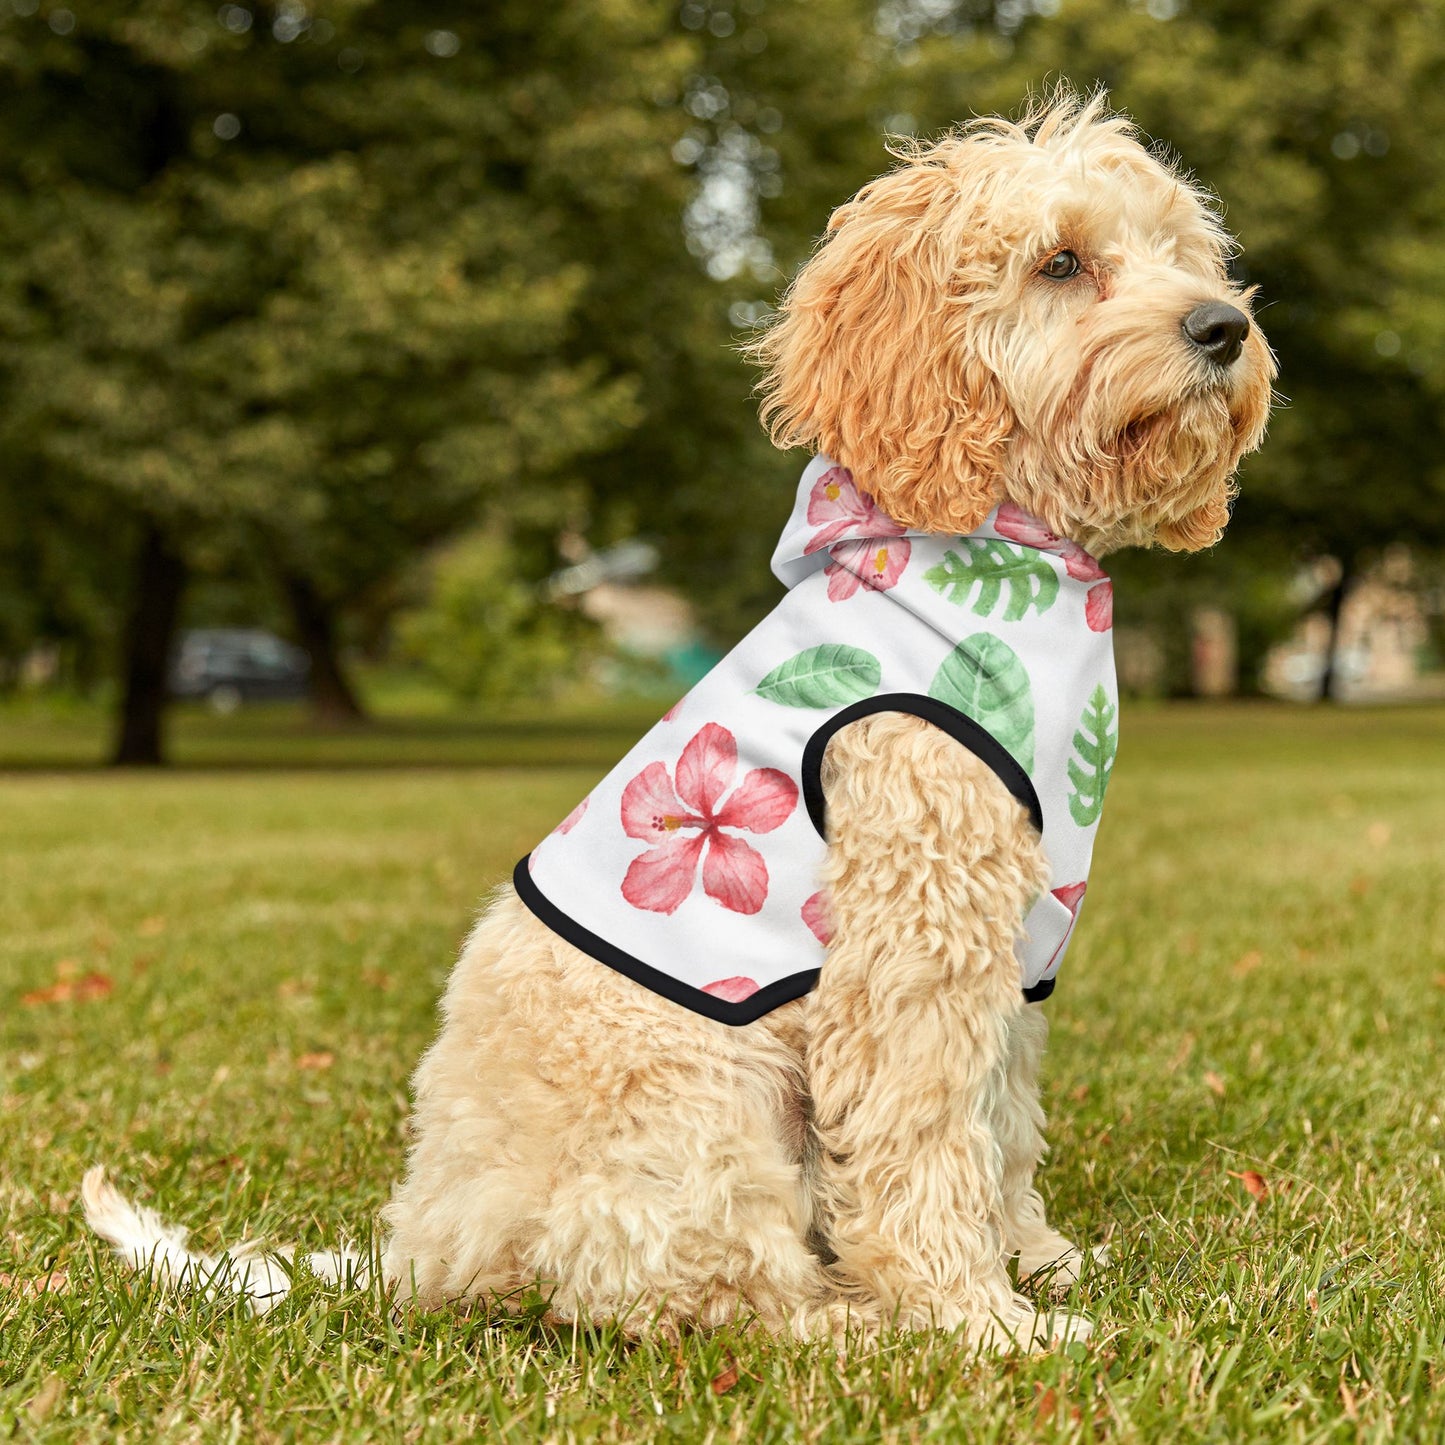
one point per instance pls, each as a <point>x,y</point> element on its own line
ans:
<point>1034,311</point>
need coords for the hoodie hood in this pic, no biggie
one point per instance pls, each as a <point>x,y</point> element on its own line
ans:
<point>836,524</point>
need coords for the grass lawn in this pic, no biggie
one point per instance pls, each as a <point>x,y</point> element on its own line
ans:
<point>216,980</point>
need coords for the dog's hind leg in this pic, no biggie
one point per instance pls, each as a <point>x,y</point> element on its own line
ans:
<point>580,1136</point>
<point>931,865</point>
<point>680,1198</point>
<point>1019,1127</point>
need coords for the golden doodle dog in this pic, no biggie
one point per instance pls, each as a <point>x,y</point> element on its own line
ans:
<point>1029,321</point>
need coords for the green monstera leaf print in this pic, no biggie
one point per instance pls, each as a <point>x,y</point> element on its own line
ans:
<point>983,678</point>
<point>998,570</point>
<point>825,676</point>
<point>1095,743</point>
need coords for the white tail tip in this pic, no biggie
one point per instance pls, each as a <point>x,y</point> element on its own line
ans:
<point>148,1244</point>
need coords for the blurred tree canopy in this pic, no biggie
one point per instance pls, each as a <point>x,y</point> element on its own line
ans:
<point>316,287</point>
<point>307,287</point>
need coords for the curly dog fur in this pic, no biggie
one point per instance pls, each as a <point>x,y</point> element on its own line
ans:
<point>865,1155</point>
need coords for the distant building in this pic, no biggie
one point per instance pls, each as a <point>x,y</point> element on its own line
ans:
<point>639,618</point>
<point>1382,651</point>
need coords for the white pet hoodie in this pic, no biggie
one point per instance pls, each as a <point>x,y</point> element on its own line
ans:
<point>693,866</point>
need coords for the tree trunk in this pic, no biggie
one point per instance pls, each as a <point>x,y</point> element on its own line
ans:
<point>333,699</point>
<point>1329,677</point>
<point>160,578</point>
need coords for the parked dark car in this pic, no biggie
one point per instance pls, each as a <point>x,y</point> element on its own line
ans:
<point>230,665</point>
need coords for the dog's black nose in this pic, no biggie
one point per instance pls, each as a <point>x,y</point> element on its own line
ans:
<point>1218,330</point>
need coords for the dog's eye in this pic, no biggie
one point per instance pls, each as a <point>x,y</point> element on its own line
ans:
<point>1060,266</point>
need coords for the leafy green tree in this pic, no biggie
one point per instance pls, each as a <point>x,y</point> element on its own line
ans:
<point>780,115</point>
<point>323,286</point>
<point>307,284</point>
<point>482,632</point>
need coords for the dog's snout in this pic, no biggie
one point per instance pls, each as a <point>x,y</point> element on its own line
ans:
<point>1218,330</point>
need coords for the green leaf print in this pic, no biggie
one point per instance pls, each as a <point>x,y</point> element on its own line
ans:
<point>983,678</point>
<point>824,676</point>
<point>996,567</point>
<point>1095,743</point>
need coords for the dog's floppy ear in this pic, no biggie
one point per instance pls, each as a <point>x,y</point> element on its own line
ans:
<point>872,358</point>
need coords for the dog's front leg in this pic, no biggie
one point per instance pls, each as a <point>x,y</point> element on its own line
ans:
<point>931,866</point>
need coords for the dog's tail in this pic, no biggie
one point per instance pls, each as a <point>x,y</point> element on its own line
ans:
<point>147,1243</point>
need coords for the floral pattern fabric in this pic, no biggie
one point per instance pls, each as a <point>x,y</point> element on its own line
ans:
<point>840,511</point>
<point>1018,526</point>
<point>684,818</point>
<point>694,865</point>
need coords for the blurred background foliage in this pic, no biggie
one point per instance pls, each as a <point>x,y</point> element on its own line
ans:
<point>479,631</point>
<point>359,321</point>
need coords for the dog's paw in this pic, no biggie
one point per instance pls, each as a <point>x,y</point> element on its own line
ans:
<point>1058,1271</point>
<point>1023,1326</point>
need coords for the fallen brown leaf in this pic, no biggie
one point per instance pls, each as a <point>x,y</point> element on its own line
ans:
<point>56,1282</point>
<point>321,1059</point>
<point>1255,1184</point>
<point>1079,1094</point>
<point>1046,1407</point>
<point>66,990</point>
<point>1247,963</point>
<point>723,1382</point>
<point>377,978</point>
<point>1440,980</point>
<point>1214,1083</point>
<point>56,993</point>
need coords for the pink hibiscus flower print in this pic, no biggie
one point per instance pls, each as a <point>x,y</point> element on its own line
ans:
<point>1018,526</point>
<point>842,513</point>
<point>685,817</point>
<point>1099,607</point>
<point>574,817</point>
<point>875,565</point>
<point>1070,895</point>
<point>815,915</point>
<point>734,990</point>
